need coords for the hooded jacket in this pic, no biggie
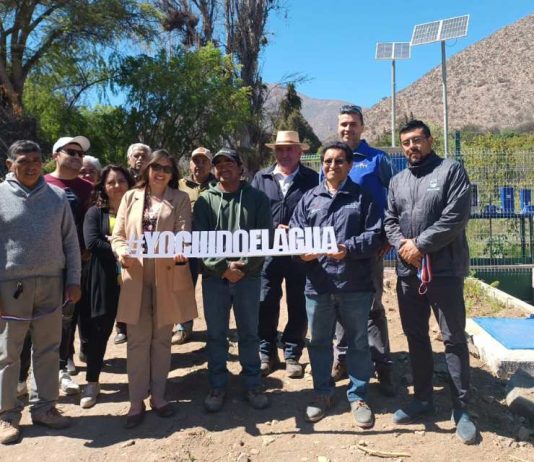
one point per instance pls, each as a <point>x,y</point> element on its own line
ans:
<point>38,235</point>
<point>247,208</point>
<point>431,203</point>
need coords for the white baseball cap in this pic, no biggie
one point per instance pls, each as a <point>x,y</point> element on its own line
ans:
<point>81,140</point>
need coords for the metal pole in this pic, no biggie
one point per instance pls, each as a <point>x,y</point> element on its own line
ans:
<point>445,108</point>
<point>393,118</point>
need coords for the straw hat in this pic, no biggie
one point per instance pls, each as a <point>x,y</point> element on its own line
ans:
<point>287,138</point>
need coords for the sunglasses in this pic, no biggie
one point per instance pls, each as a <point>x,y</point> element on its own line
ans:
<point>350,109</point>
<point>73,152</point>
<point>161,168</point>
<point>334,161</point>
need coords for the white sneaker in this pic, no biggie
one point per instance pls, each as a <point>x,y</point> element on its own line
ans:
<point>22,389</point>
<point>89,394</point>
<point>67,385</point>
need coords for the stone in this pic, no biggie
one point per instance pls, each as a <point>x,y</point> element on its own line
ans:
<point>323,459</point>
<point>128,443</point>
<point>243,458</point>
<point>268,440</point>
<point>520,394</point>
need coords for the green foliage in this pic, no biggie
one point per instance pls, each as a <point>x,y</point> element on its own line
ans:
<point>477,301</point>
<point>180,100</point>
<point>290,118</point>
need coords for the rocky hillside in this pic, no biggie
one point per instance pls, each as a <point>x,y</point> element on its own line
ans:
<point>490,85</point>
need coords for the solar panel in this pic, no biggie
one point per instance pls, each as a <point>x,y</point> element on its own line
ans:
<point>392,50</point>
<point>425,33</point>
<point>437,31</point>
<point>402,50</point>
<point>454,27</point>
<point>384,50</point>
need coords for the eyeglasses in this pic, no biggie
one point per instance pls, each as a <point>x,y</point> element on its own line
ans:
<point>73,152</point>
<point>414,140</point>
<point>350,109</point>
<point>334,161</point>
<point>161,168</point>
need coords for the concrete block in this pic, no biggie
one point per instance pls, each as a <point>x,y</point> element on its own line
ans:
<point>520,394</point>
<point>500,360</point>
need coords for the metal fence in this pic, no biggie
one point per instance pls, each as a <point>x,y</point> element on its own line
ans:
<point>500,231</point>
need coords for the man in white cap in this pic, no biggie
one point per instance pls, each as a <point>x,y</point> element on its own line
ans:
<point>201,176</point>
<point>68,154</point>
<point>284,183</point>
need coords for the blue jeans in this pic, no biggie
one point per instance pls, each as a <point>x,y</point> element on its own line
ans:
<point>219,296</point>
<point>352,310</point>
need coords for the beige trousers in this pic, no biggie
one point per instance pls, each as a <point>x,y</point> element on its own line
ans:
<point>149,348</point>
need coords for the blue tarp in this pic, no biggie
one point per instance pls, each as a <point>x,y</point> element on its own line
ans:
<point>513,333</point>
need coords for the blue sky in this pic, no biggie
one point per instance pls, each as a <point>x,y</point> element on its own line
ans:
<point>332,43</point>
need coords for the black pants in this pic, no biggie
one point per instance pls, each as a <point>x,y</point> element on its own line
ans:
<point>275,270</point>
<point>377,324</point>
<point>68,329</point>
<point>97,331</point>
<point>446,299</point>
<point>25,358</point>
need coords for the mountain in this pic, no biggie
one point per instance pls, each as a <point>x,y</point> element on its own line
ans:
<point>490,85</point>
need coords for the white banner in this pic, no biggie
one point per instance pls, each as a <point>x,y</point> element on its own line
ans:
<point>240,243</point>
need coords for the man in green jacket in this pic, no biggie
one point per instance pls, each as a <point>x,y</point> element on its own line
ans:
<point>231,204</point>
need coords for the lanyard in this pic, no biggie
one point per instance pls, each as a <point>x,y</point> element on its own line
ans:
<point>8,317</point>
<point>425,274</point>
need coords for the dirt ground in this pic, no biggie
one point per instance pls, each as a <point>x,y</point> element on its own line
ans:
<point>279,433</point>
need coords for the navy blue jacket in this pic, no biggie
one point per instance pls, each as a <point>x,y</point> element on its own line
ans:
<point>282,206</point>
<point>357,222</point>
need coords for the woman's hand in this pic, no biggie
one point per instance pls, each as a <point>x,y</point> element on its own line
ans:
<point>180,259</point>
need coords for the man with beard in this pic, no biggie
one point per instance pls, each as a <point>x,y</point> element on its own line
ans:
<point>428,209</point>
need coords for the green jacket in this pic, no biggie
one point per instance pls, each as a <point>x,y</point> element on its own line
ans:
<point>247,208</point>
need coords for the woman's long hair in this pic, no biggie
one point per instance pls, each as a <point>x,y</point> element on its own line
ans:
<point>154,158</point>
<point>100,197</point>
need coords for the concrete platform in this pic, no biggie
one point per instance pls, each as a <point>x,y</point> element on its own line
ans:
<point>501,361</point>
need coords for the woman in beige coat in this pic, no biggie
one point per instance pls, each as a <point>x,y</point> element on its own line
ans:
<point>155,293</point>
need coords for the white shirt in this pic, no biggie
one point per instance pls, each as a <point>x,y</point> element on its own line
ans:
<point>285,181</point>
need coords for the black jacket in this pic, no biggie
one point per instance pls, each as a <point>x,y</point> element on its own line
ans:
<point>431,203</point>
<point>100,282</point>
<point>282,206</point>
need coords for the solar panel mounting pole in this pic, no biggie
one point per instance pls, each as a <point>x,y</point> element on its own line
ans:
<point>393,112</point>
<point>445,106</point>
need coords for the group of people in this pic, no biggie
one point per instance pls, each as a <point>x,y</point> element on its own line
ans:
<point>65,261</point>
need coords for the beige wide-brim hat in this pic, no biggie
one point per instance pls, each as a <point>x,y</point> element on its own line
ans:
<point>287,138</point>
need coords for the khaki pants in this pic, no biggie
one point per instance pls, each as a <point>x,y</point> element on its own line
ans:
<point>40,295</point>
<point>149,347</point>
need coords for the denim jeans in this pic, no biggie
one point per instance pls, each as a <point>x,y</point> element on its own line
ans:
<point>352,310</point>
<point>219,296</point>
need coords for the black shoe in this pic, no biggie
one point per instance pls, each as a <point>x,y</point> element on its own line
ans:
<point>466,431</point>
<point>135,420</point>
<point>413,411</point>
<point>166,411</point>
<point>339,371</point>
<point>385,381</point>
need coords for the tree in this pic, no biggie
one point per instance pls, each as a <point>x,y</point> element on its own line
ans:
<point>68,30</point>
<point>291,118</point>
<point>181,100</point>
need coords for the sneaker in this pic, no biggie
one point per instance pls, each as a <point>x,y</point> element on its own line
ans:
<point>22,389</point>
<point>71,367</point>
<point>268,365</point>
<point>466,431</point>
<point>215,400</point>
<point>414,410</point>
<point>120,338</point>
<point>90,392</point>
<point>362,414</point>
<point>385,381</point>
<point>67,385</point>
<point>294,370</point>
<point>339,371</point>
<point>257,398</point>
<point>9,432</point>
<point>181,336</point>
<point>316,410</point>
<point>52,418</point>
